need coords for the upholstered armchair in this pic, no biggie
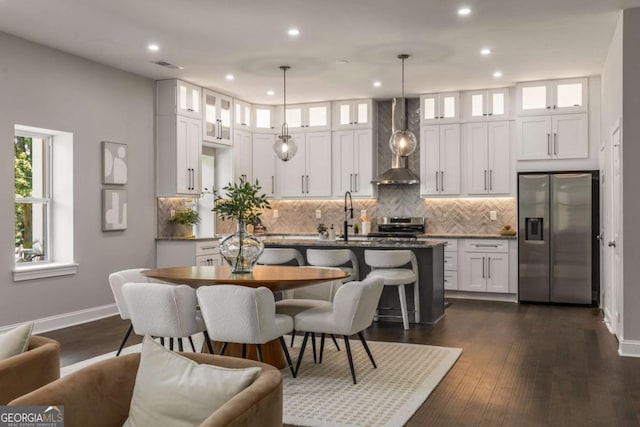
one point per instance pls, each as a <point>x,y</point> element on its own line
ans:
<point>25,372</point>
<point>100,395</point>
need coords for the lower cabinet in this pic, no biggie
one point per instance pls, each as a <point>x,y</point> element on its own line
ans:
<point>485,266</point>
<point>182,253</point>
<point>451,265</point>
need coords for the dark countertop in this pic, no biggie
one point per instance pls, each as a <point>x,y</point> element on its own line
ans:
<point>466,236</point>
<point>418,244</point>
<point>194,239</point>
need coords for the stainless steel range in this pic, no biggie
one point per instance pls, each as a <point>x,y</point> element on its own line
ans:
<point>397,228</point>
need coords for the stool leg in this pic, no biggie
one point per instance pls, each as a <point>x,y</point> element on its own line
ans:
<point>403,306</point>
<point>416,300</point>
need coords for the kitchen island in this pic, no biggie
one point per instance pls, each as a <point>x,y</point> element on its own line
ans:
<point>430,256</point>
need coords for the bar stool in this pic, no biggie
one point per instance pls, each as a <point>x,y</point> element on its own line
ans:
<point>280,256</point>
<point>388,265</point>
<point>335,258</point>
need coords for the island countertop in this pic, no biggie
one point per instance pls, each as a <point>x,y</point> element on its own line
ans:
<point>378,244</point>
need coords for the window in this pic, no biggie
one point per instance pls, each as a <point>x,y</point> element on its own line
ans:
<point>43,183</point>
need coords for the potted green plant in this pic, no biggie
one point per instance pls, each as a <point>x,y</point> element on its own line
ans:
<point>323,233</point>
<point>242,202</point>
<point>186,217</point>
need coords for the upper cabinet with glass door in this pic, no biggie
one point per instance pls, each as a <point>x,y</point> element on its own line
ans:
<point>242,114</point>
<point>263,119</point>
<point>353,114</point>
<point>482,105</point>
<point>178,97</point>
<point>552,97</point>
<point>217,117</point>
<point>308,117</point>
<point>439,108</point>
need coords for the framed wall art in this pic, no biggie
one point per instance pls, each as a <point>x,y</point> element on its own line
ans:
<point>114,209</point>
<point>114,163</point>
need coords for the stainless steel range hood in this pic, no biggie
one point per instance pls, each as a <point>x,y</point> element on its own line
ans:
<point>399,174</point>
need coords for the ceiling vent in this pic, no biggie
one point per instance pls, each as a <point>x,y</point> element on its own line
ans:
<point>168,65</point>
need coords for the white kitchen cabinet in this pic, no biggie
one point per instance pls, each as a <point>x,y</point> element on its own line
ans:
<point>179,155</point>
<point>354,162</point>
<point>308,117</point>
<point>485,266</point>
<point>178,97</point>
<point>264,162</point>
<point>451,265</point>
<point>552,96</point>
<point>482,105</point>
<point>440,160</point>
<point>217,117</point>
<point>307,174</point>
<point>353,114</point>
<point>563,136</point>
<point>183,253</point>
<point>488,157</point>
<point>440,108</point>
<point>264,118</point>
<point>242,156</point>
<point>242,114</point>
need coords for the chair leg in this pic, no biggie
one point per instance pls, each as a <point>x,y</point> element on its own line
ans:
<point>366,348</point>
<point>293,337</point>
<point>403,306</point>
<point>287,356</point>
<point>224,347</point>
<point>171,344</point>
<point>335,342</point>
<point>313,346</point>
<point>193,347</point>
<point>180,346</point>
<point>304,344</point>
<point>244,351</point>
<point>124,340</point>
<point>259,351</point>
<point>207,339</point>
<point>321,348</point>
<point>348,347</point>
<point>416,301</point>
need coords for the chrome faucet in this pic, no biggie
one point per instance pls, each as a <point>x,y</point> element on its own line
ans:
<point>350,209</point>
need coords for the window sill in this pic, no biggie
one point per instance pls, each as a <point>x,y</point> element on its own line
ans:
<point>41,271</point>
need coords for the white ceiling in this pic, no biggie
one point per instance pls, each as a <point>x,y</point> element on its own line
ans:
<point>531,39</point>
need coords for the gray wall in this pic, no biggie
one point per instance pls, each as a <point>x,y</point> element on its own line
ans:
<point>631,172</point>
<point>46,88</point>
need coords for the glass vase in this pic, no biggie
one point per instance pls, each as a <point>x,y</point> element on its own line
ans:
<point>242,249</point>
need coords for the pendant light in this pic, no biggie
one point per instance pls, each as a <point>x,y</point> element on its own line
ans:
<point>403,141</point>
<point>285,147</point>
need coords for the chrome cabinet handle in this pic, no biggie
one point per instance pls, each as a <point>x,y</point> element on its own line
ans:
<point>490,179</point>
<point>489,267</point>
<point>350,182</point>
<point>483,267</point>
<point>273,185</point>
<point>355,182</point>
<point>442,180</point>
<point>548,143</point>
<point>307,184</point>
<point>555,143</point>
<point>302,184</point>
<point>480,245</point>
<point>437,188</point>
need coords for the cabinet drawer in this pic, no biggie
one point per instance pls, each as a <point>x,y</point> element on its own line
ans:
<point>207,248</point>
<point>451,246</point>
<point>489,245</point>
<point>207,260</point>
<point>451,280</point>
<point>450,261</point>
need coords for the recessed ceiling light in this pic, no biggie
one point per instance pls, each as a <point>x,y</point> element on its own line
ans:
<point>153,47</point>
<point>270,92</point>
<point>464,11</point>
<point>497,74</point>
<point>229,77</point>
<point>342,61</point>
<point>377,84</point>
<point>294,32</point>
<point>486,51</point>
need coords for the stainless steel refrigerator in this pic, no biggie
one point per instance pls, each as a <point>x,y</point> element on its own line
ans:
<point>557,228</point>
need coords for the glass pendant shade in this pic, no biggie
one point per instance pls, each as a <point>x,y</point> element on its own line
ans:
<point>403,143</point>
<point>285,147</point>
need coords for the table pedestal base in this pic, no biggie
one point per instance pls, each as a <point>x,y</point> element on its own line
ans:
<point>271,352</point>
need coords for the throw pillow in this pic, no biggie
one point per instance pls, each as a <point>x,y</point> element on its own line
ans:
<point>16,341</point>
<point>171,390</point>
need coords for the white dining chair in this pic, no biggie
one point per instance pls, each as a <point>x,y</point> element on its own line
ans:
<point>352,312</point>
<point>344,259</point>
<point>163,310</point>
<point>243,315</point>
<point>280,256</point>
<point>116,281</point>
<point>389,265</point>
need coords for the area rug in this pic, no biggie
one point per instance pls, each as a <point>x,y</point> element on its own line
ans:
<point>324,394</point>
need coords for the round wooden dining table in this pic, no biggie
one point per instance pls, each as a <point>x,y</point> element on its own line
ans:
<point>275,278</point>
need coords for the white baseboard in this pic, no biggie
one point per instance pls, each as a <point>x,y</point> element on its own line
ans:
<point>629,348</point>
<point>65,320</point>
<point>481,296</point>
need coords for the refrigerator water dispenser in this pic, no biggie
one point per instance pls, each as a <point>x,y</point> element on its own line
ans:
<point>533,229</point>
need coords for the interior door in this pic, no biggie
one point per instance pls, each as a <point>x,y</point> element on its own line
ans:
<point>615,242</point>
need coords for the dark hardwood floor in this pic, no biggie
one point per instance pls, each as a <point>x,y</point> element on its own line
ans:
<point>522,365</point>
